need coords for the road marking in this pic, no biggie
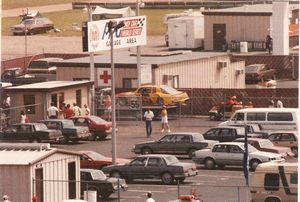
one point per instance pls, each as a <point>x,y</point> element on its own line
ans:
<point>137,190</point>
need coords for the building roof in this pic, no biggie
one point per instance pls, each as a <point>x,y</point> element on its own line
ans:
<point>49,85</point>
<point>256,8</point>
<point>26,154</point>
<point>125,57</point>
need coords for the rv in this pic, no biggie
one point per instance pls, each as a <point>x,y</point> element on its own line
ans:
<point>267,118</point>
<point>275,182</point>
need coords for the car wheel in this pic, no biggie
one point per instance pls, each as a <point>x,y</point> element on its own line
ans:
<point>146,150</point>
<point>272,199</point>
<point>92,137</point>
<point>115,174</point>
<point>212,117</point>
<point>181,180</point>
<point>253,164</point>
<point>160,101</point>
<point>209,163</point>
<point>167,178</point>
<point>295,151</point>
<point>102,137</point>
<point>190,152</point>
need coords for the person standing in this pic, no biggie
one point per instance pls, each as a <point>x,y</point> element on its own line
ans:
<point>148,118</point>
<point>52,111</point>
<point>68,112</point>
<point>6,105</point>
<point>149,197</point>
<point>269,43</point>
<point>23,118</point>
<point>164,120</point>
<point>279,103</point>
<point>76,110</point>
<point>87,111</point>
<point>5,198</point>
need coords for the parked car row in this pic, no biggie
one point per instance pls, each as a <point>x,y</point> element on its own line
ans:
<point>59,130</point>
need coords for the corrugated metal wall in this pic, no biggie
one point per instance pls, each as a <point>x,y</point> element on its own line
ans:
<point>238,28</point>
<point>203,73</point>
<point>15,181</point>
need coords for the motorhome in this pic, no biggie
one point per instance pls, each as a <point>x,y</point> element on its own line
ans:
<point>275,182</point>
<point>267,118</point>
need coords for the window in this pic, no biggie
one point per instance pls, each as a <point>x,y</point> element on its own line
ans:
<point>280,117</point>
<point>287,137</point>
<point>274,137</point>
<point>139,161</point>
<point>239,117</point>
<point>54,99</point>
<point>29,100</point>
<point>271,182</point>
<point>294,178</point>
<point>235,149</point>
<point>154,162</point>
<point>182,138</point>
<point>129,82</point>
<point>212,134</point>
<point>226,133</point>
<point>78,98</point>
<point>220,148</point>
<point>256,116</point>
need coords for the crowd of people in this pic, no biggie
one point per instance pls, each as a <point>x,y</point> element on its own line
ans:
<point>66,111</point>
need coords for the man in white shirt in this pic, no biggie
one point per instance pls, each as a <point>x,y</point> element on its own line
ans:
<point>76,110</point>
<point>279,103</point>
<point>52,111</point>
<point>87,111</point>
<point>148,118</point>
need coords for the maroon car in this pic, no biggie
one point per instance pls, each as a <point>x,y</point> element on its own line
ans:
<point>97,126</point>
<point>94,160</point>
<point>32,26</point>
<point>267,146</point>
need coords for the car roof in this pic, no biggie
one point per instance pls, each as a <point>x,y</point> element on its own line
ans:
<point>155,155</point>
<point>227,127</point>
<point>28,124</point>
<point>56,120</point>
<point>251,139</point>
<point>229,143</point>
<point>50,59</point>
<point>184,133</point>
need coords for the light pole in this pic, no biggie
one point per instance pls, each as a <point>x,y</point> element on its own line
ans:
<point>138,48</point>
<point>113,26</point>
<point>25,34</point>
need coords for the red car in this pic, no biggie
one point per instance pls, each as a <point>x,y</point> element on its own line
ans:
<point>33,26</point>
<point>97,126</point>
<point>94,160</point>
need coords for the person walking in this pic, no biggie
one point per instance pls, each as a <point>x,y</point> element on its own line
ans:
<point>87,111</point>
<point>23,117</point>
<point>5,198</point>
<point>68,112</point>
<point>148,119</point>
<point>164,120</point>
<point>52,111</point>
<point>269,43</point>
<point>76,110</point>
<point>279,103</point>
<point>149,197</point>
<point>6,105</point>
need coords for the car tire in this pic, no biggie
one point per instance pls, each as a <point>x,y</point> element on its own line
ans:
<point>209,163</point>
<point>295,151</point>
<point>272,199</point>
<point>191,151</point>
<point>253,164</point>
<point>181,180</point>
<point>115,174</point>
<point>146,150</point>
<point>92,137</point>
<point>167,178</point>
<point>212,117</point>
<point>102,137</point>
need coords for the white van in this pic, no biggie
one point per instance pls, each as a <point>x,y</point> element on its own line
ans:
<point>275,182</point>
<point>267,118</point>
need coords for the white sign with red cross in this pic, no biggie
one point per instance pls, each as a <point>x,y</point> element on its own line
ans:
<point>103,77</point>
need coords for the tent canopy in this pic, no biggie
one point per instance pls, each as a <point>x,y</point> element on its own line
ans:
<point>101,13</point>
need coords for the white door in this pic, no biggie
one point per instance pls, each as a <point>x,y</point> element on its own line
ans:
<point>180,35</point>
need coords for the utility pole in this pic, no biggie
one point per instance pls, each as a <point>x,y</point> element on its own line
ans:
<point>138,50</point>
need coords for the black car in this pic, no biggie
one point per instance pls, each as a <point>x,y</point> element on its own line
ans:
<point>96,180</point>
<point>174,143</point>
<point>32,132</point>
<point>253,129</point>
<point>224,133</point>
<point>69,130</point>
<point>153,166</point>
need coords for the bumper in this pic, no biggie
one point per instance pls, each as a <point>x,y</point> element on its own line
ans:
<point>190,173</point>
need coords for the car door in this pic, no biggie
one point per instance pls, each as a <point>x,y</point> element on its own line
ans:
<point>182,143</point>
<point>11,133</point>
<point>164,145</point>
<point>287,140</point>
<point>275,138</point>
<point>24,132</point>
<point>136,169</point>
<point>221,154</point>
<point>226,135</point>
<point>236,155</point>
<point>212,134</point>
<point>153,167</point>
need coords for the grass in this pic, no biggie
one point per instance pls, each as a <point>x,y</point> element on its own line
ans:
<point>10,4</point>
<point>155,22</point>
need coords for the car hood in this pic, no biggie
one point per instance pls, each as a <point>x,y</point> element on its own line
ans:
<point>145,143</point>
<point>19,26</point>
<point>265,154</point>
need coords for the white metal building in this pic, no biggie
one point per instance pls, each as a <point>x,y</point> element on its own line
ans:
<point>28,170</point>
<point>179,69</point>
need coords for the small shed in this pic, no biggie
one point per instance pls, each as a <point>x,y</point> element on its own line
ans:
<point>186,32</point>
<point>179,69</point>
<point>36,98</point>
<point>28,170</point>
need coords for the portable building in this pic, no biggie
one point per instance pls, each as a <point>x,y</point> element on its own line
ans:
<point>186,32</point>
<point>36,170</point>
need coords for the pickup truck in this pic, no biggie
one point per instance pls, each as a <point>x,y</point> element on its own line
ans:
<point>69,130</point>
<point>32,132</point>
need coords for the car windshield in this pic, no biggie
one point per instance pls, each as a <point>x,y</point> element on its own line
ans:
<point>39,64</point>
<point>98,175</point>
<point>198,137</point>
<point>171,160</point>
<point>169,89</point>
<point>95,155</point>
<point>41,126</point>
<point>265,143</point>
<point>250,148</point>
<point>28,22</point>
<point>97,119</point>
<point>68,124</point>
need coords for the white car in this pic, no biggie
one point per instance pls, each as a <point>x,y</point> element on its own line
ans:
<point>232,153</point>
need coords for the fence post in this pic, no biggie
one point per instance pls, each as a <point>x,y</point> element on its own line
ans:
<point>119,197</point>
<point>178,189</point>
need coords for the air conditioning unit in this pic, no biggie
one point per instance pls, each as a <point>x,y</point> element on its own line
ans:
<point>221,64</point>
<point>239,71</point>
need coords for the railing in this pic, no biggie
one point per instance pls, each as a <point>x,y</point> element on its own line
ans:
<point>252,46</point>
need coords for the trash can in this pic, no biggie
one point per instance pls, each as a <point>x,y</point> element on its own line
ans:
<point>90,196</point>
<point>243,47</point>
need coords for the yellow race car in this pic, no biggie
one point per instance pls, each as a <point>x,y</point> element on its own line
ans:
<point>155,95</point>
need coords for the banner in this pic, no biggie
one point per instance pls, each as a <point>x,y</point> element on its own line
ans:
<point>134,33</point>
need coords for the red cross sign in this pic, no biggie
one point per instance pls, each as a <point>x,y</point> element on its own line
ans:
<point>105,76</point>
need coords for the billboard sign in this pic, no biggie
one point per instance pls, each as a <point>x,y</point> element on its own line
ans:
<point>134,33</point>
